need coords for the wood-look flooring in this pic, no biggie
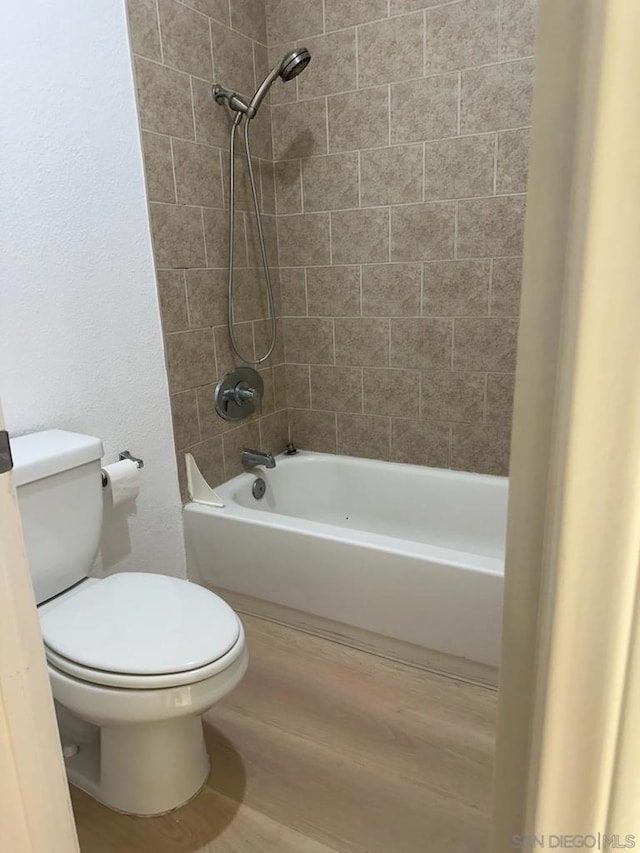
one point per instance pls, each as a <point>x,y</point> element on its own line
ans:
<point>326,749</point>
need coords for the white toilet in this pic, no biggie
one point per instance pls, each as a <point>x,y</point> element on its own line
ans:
<point>134,659</point>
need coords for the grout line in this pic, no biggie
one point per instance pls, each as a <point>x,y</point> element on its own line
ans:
<point>484,399</point>
<point>388,114</point>
<point>424,43</point>
<point>455,231</point>
<point>324,16</point>
<point>326,119</point>
<point>422,290</point>
<point>301,176</point>
<point>453,341</point>
<point>159,32</point>
<point>213,61</point>
<point>424,171</point>
<point>359,181</point>
<point>431,203</point>
<point>330,238</point>
<point>389,235</point>
<point>459,99</point>
<point>413,142</point>
<point>357,49</point>
<point>490,288</point>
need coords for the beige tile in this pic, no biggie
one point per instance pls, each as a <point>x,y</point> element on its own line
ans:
<point>420,443</point>
<point>225,357</point>
<point>210,460</point>
<point>424,109</point>
<point>421,344</point>
<point>274,432</point>
<point>330,182</point>
<point>363,435</point>
<point>359,119</point>
<point>391,392</point>
<point>262,342</point>
<point>298,386</point>
<point>173,300</point>
<point>459,168</point>
<point>143,28</point>
<point>453,396</point>
<point>207,295</point>
<point>198,173</point>
<point>184,416</point>
<point>391,175</point>
<point>333,65</point>
<point>391,50</point>
<point>211,423</point>
<point>333,291</point>
<point>518,19</point>
<point>496,97</point>
<point>233,59</point>
<point>485,344</point>
<point>288,178</point>
<point>300,129</point>
<point>216,9</point>
<point>250,295</point>
<point>158,167</point>
<point>456,287</point>
<point>268,186</point>
<point>398,7</point>
<point>513,161</point>
<point>339,14</point>
<point>248,16</point>
<point>190,359</point>
<point>243,194</point>
<point>483,449</point>
<point>178,239</point>
<point>390,290</point>
<point>234,442</point>
<point>261,65</point>
<point>500,388</point>
<point>288,20</point>
<point>461,35</point>
<point>293,292</point>
<point>269,228</point>
<point>280,387</point>
<point>164,99</point>
<point>267,406</point>
<point>216,231</point>
<point>313,430</point>
<point>491,226</point>
<point>360,236</point>
<point>506,280</point>
<point>308,340</point>
<point>303,240</point>
<point>336,389</point>
<point>185,39</point>
<point>422,231</point>
<point>362,341</point>
<point>261,135</point>
<point>212,122</point>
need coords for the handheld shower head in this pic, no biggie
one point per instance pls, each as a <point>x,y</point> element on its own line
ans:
<point>289,67</point>
<point>294,63</point>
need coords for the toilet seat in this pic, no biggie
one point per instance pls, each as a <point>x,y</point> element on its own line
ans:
<point>139,630</point>
<point>147,682</point>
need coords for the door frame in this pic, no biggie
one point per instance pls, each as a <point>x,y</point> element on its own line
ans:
<point>35,808</point>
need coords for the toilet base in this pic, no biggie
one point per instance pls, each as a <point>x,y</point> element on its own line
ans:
<point>145,769</point>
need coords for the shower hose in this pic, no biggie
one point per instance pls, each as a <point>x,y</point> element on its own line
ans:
<point>263,251</point>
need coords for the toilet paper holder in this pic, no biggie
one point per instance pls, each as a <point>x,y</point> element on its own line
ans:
<point>126,454</point>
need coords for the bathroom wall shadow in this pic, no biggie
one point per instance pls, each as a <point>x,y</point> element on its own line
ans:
<point>115,543</point>
<point>190,829</point>
<point>304,144</point>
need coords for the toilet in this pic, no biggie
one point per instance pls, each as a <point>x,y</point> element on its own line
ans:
<point>134,659</point>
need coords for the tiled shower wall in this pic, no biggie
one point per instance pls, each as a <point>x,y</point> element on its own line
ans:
<point>177,49</point>
<point>400,166</point>
<point>399,158</point>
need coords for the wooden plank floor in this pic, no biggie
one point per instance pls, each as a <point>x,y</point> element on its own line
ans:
<point>326,749</point>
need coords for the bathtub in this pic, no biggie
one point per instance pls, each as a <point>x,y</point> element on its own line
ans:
<point>401,560</point>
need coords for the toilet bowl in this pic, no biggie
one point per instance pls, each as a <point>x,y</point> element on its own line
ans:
<point>134,659</point>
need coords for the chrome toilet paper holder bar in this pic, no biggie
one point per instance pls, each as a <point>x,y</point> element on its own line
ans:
<point>126,454</point>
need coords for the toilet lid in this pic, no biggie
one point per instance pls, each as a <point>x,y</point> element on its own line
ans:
<point>141,624</point>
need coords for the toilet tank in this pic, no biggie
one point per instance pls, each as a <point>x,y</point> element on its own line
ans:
<point>59,486</point>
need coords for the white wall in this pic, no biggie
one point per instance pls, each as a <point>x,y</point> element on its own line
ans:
<point>80,341</point>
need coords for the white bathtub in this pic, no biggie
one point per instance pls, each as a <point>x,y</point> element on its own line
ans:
<point>403,560</point>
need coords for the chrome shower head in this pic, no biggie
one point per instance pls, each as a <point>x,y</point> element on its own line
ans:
<point>294,63</point>
<point>289,67</point>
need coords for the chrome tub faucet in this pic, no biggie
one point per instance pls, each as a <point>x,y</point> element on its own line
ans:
<point>255,458</point>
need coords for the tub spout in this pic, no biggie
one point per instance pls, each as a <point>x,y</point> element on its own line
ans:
<point>254,458</point>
